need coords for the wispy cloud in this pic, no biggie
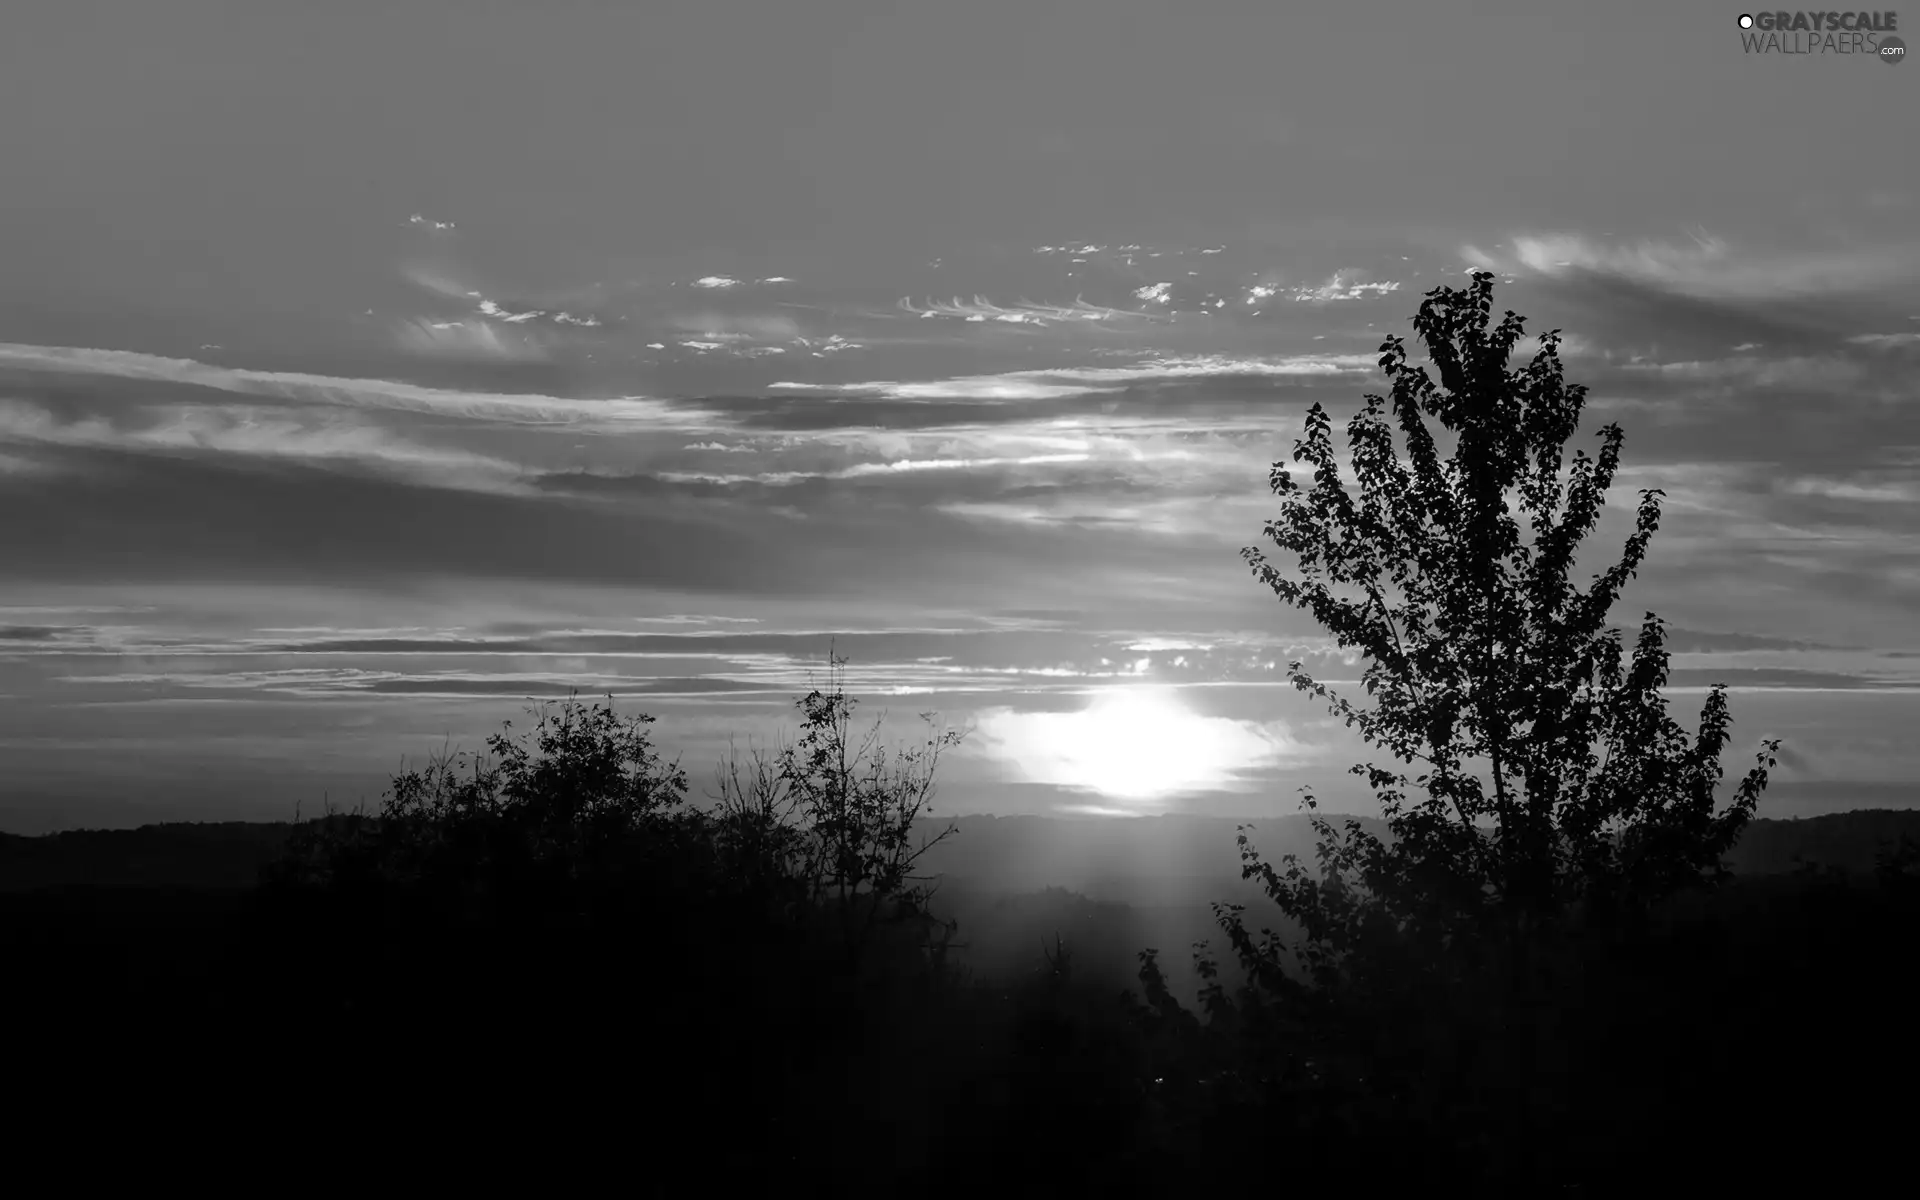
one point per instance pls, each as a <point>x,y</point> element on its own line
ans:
<point>1705,265</point>
<point>1342,285</point>
<point>489,308</point>
<point>238,431</point>
<point>1015,386</point>
<point>878,469</point>
<point>509,408</point>
<point>979,309</point>
<point>1070,381</point>
<point>1793,372</point>
<point>438,279</point>
<point>1890,491</point>
<point>723,327</point>
<point>467,340</point>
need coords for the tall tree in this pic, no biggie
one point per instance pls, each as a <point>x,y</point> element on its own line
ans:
<point>1553,782</point>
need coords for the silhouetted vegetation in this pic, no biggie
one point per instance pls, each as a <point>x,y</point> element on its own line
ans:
<point>1537,973</point>
<point>1458,988</point>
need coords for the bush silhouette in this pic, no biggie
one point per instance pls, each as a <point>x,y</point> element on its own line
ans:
<point>774,959</point>
<point>829,822</point>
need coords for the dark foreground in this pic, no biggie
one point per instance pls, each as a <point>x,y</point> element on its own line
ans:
<point>1762,1033</point>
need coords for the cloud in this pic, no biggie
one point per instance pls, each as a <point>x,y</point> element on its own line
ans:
<point>1071,381</point>
<point>32,633</point>
<point>1634,318</point>
<point>896,467</point>
<point>900,466</point>
<point>622,412</point>
<point>935,657</point>
<point>1217,366</point>
<point>1016,386</point>
<point>1342,285</point>
<point>433,280</point>
<point>422,222</point>
<point>436,280</point>
<point>722,327</point>
<point>493,310</point>
<point>1657,261</point>
<point>467,340</point>
<point>346,682</point>
<point>1798,372</point>
<point>244,432</point>
<point>1166,518</point>
<point>18,466</point>
<point>823,348</point>
<point>931,463</point>
<point>1709,266</point>
<point>980,309</point>
<point>1895,491</point>
<point>195,515</point>
<point>1026,654</point>
<point>1681,640</point>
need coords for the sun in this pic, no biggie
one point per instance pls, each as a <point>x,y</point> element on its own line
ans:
<point>1133,743</point>
<point>1128,744</point>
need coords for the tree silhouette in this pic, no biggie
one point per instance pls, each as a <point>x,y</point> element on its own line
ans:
<point>1487,664</point>
<point>828,822</point>
<point>1554,790</point>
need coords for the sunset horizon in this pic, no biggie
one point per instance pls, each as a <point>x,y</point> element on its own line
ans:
<point>339,422</point>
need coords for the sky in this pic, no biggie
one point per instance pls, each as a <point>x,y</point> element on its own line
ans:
<point>366,371</point>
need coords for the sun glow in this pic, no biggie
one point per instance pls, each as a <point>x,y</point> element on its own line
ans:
<point>1132,743</point>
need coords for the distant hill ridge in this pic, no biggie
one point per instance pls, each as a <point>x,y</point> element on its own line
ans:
<point>1169,859</point>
